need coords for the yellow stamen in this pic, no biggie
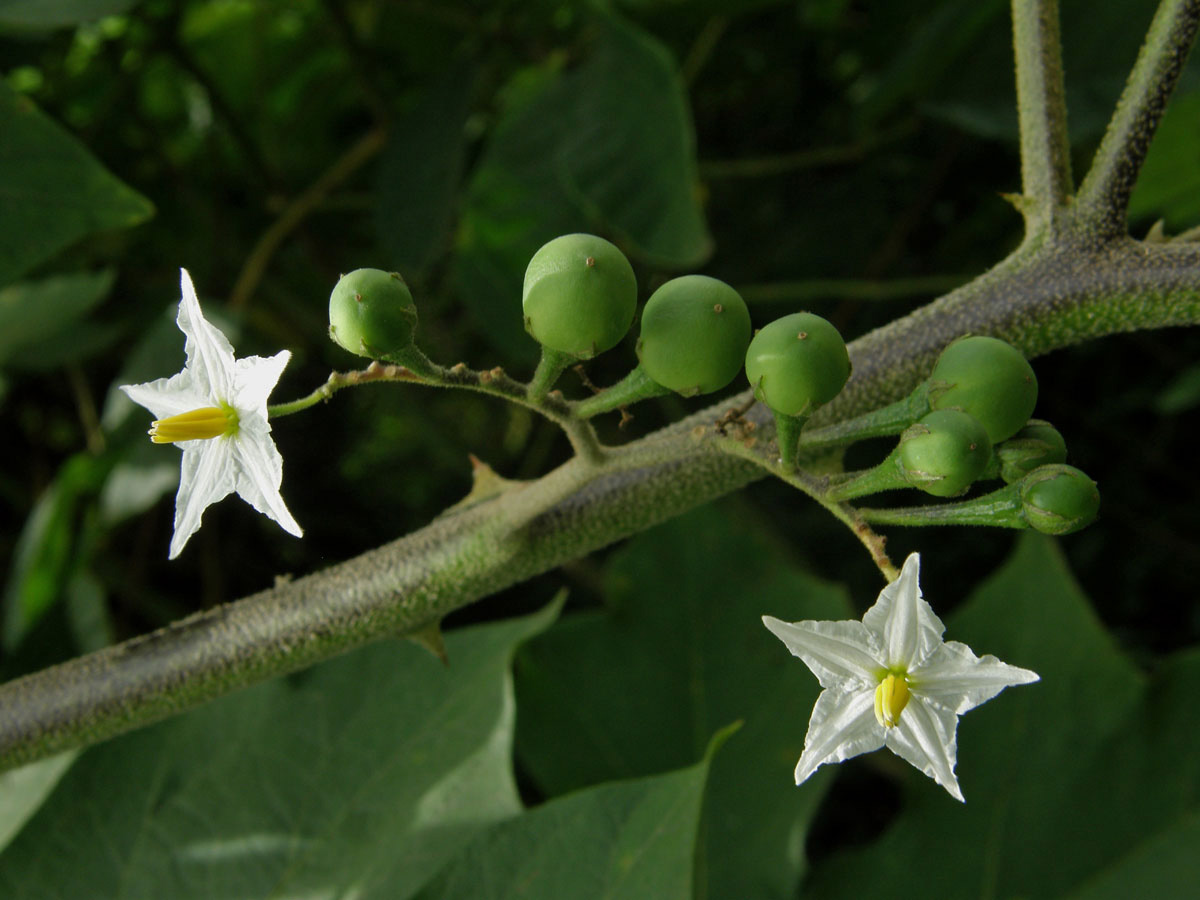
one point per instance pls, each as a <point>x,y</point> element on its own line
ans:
<point>199,424</point>
<point>890,699</point>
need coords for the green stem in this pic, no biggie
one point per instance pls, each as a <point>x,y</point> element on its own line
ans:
<point>999,509</point>
<point>552,364</point>
<point>372,374</point>
<point>417,363</point>
<point>787,436</point>
<point>887,476</point>
<point>888,420</point>
<point>815,488</point>
<point>414,367</point>
<point>635,386</point>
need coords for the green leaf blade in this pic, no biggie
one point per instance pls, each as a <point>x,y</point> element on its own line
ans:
<point>631,840</point>
<point>680,652</point>
<point>362,775</point>
<point>52,190</point>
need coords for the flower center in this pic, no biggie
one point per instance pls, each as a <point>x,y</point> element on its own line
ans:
<point>196,425</point>
<point>890,699</point>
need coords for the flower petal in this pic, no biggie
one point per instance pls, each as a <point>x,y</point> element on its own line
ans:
<point>927,737</point>
<point>259,474</point>
<point>166,397</point>
<point>842,725</point>
<point>906,624</point>
<point>206,476</point>
<point>209,353</point>
<point>253,380</point>
<point>957,679</point>
<point>840,654</point>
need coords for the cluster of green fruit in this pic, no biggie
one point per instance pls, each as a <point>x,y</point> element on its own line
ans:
<point>969,421</point>
<point>579,299</point>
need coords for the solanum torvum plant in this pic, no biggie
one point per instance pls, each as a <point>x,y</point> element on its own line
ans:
<point>930,420</point>
<point>696,337</point>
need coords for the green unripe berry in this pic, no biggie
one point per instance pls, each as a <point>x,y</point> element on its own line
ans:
<point>987,378</point>
<point>797,363</point>
<point>694,335</point>
<point>371,313</point>
<point>1059,499</point>
<point>1037,444</point>
<point>580,295</point>
<point>944,452</point>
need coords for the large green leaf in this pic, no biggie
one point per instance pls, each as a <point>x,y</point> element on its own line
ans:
<point>359,777</point>
<point>420,171</point>
<point>1165,865</point>
<point>607,147</point>
<point>40,320</point>
<point>1140,793</point>
<point>57,13</point>
<point>50,552</point>
<point>52,190</point>
<point>1169,184</point>
<point>25,789</point>
<point>681,651</point>
<point>957,63</point>
<point>1066,781</point>
<point>633,840</point>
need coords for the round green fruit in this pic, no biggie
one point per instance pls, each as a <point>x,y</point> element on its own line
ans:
<point>1059,499</point>
<point>797,363</point>
<point>944,452</point>
<point>371,313</point>
<point>694,335</point>
<point>1037,444</point>
<point>987,378</point>
<point>580,295</point>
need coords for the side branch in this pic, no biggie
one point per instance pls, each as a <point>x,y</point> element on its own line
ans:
<point>1036,300</point>
<point>1103,199</point>
<point>1042,111</point>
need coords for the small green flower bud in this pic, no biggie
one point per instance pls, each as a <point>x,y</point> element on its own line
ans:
<point>580,295</point>
<point>797,363</point>
<point>944,452</point>
<point>694,335</point>
<point>371,313</point>
<point>1059,499</point>
<point>987,378</point>
<point>1037,444</point>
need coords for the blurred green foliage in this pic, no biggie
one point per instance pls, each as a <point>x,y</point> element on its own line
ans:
<point>827,154</point>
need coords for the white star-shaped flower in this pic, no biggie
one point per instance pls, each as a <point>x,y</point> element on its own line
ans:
<point>891,681</point>
<point>216,411</point>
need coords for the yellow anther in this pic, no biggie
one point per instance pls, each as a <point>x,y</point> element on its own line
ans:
<point>199,424</point>
<point>890,699</point>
